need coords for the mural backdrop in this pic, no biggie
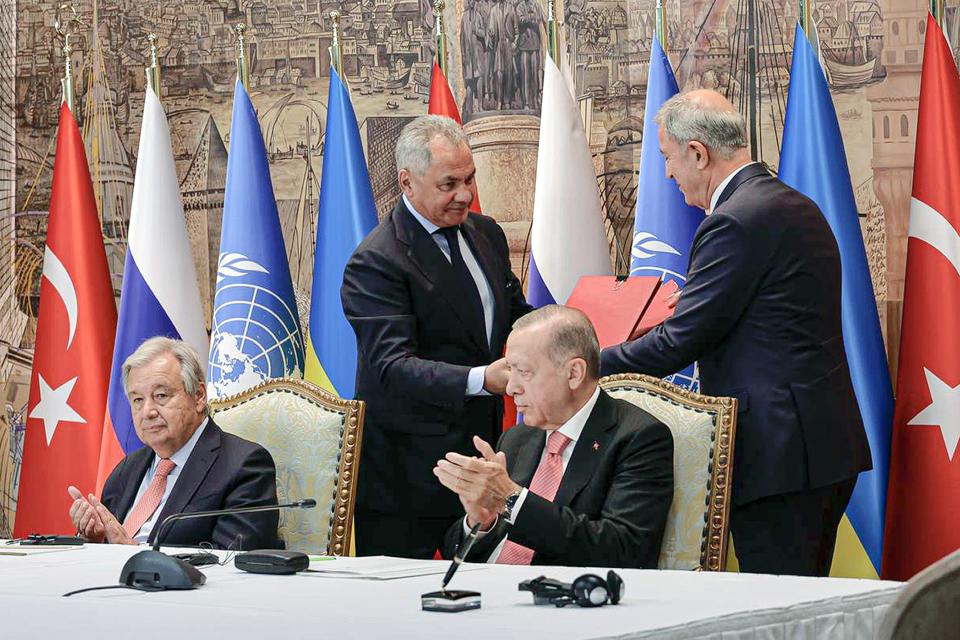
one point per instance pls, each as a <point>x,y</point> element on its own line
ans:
<point>871,49</point>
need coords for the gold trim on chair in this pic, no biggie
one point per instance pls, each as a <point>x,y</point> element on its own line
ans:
<point>713,552</point>
<point>341,522</point>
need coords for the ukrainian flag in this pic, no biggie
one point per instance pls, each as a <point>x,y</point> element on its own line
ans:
<point>813,161</point>
<point>347,214</point>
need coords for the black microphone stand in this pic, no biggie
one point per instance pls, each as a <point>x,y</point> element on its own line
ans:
<point>153,570</point>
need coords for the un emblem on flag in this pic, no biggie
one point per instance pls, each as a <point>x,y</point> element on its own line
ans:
<point>255,334</point>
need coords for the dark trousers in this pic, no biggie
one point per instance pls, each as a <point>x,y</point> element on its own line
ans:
<point>792,533</point>
<point>380,534</point>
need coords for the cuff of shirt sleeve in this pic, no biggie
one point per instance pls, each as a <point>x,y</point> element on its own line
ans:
<point>480,532</point>
<point>516,508</point>
<point>475,382</point>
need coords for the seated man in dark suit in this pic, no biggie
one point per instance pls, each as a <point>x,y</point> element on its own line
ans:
<point>586,480</point>
<point>188,464</point>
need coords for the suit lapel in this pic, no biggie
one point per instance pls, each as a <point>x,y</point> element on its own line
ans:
<point>586,453</point>
<point>423,252</point>
<point>139,463</point>
<point>747,173</point>
<point>484,254</point>
<point>527,457</point>
<point>194,471</point>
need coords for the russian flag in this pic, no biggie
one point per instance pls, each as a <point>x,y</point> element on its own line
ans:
<point>567,239</point>
<point>160,294</point>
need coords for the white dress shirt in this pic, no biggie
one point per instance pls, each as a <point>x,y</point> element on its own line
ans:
<point>723,185</point>
<point>475,377</point>
<point>572,428</point>
<point>179,458</point>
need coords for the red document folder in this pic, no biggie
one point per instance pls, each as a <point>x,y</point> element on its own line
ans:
<point>659,309</point>
<point>615,306</point>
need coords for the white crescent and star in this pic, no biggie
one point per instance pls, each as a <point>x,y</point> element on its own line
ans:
<point>943,411</point>
<point>54,407</point>
<point>932,227</point>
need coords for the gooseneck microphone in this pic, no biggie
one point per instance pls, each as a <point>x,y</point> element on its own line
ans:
<point>164,527</point>
<point>153,570</point>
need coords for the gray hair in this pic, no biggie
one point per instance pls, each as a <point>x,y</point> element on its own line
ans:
<point>686,118</point>
<point>571,335</point>
<point>413,146</point>
<point>191,372</point>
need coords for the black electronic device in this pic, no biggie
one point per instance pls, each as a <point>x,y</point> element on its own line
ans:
<point>450,601</point>
<point>155,571</point>
<point>199,559</point>
<point>273,561</point>
<point>589,590</point>
<point>40,539</point>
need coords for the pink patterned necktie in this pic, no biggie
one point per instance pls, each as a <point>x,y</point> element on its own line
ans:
<point>545,483</point>
<point>150,499</point>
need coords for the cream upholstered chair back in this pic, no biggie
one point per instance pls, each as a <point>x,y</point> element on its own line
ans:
<point>314,438</point>
<point>703,430</point>
<point>928,606</point>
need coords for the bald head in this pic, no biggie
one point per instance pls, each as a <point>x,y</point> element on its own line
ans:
<point>705,116</point>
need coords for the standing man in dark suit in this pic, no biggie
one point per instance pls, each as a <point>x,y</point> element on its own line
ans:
<point>188,464</point>
<point>431,298</point>
<point>585,481</point>
<point>760,312</point>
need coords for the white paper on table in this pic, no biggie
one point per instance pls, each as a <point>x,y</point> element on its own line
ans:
<point>33,550</point>
<point>379,567</point>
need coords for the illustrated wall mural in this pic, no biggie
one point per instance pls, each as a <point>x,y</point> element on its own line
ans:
<point>871,50</point>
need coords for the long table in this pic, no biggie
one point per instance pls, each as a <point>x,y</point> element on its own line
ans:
<point>234,604</point>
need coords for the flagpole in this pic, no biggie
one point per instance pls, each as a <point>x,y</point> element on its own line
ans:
<point>153,71</point>
<point>553,31</point>
<point>336,52</point>
<point>805,16</point>
<point>66,82</point>
<point>936,8</point>
<point>243,73</point>
<point>441,36</point>
<point>661,28</point>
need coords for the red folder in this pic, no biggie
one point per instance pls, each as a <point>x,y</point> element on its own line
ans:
<point>619,307</point>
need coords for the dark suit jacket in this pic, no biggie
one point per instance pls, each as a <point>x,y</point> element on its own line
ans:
<point>611,507</point>
<point>761,313</point>
<point>416,343</point>
<point>224,471</point>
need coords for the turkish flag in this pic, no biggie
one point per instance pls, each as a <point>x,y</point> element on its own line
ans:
<point>71,365</point>
<point>443,104</point>
<point>923,521</point>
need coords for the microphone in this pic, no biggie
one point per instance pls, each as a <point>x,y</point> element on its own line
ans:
<point>164,527</point>
<point>153,570</point>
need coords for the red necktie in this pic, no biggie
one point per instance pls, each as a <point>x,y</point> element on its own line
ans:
<point>545,483</point>
<point>150,499</point>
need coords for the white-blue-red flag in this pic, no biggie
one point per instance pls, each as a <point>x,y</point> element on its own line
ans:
<point>160,294</point>
<point>567,240</point>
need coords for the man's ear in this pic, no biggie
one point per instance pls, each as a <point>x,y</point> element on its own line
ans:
<point>577,372</point>
<point>403,177</point>
<point>700,152</point>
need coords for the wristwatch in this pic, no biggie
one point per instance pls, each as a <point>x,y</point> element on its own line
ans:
<point>510,503</point>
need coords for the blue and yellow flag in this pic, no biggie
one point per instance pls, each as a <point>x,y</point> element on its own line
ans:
<point>256,329</point>
<point>813,162</point>
<point>347,214</point>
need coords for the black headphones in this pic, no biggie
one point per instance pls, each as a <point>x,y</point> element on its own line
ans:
<point>589,590</point>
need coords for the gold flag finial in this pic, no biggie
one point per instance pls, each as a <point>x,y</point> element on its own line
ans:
<point>153,71</point>
<point>63,29</point>
<point>336,52</point>
<point>440,35</point>
<point>242,71</point>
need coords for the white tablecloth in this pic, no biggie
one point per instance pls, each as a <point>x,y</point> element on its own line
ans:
<point>234,604</point>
